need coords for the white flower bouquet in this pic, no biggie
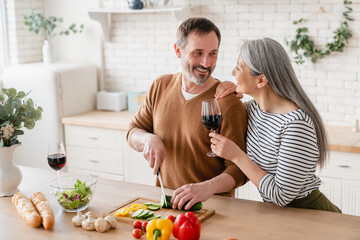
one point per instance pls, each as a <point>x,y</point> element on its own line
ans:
<point>16,111</point>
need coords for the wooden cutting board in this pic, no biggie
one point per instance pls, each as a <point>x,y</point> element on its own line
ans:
<point>202,214</point>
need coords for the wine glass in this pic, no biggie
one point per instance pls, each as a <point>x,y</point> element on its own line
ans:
<point>56,157</point>
<point>211,117</point>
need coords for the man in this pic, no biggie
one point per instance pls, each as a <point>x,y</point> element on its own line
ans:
<point>168,126</point>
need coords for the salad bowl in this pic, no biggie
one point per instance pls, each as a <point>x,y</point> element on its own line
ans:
<point>73,193</point>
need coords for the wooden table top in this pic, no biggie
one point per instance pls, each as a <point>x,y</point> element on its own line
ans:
<point>237,218</point>
<point>340,138</point>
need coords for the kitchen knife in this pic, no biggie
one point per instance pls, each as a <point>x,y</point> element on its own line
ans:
<point>162,187</point>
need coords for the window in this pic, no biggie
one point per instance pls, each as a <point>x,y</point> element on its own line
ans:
<point>4,56</point>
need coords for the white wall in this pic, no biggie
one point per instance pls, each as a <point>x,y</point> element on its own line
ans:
<point>26,47</point>
<point>86,46</point>
<point>141,45</point>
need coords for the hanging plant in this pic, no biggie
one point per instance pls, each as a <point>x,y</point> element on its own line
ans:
<point>303,46</point>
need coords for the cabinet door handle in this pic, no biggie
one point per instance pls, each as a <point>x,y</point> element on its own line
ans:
<point>93,137</point>
<point>342,165</point>
<point>93,161</point>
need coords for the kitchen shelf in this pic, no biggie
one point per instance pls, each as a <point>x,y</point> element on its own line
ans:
<point>104,15</point>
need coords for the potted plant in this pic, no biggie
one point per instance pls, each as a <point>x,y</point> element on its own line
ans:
<point>16,111</point>
<point>37,22</point>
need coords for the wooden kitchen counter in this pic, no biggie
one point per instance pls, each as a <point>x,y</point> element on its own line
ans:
<point>241,219</point>
<point>340,138</point>
<point>101,119</point>
<point>343,139</point>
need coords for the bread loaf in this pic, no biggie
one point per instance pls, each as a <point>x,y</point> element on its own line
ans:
<point>26,209</point>
<point>43,207</point>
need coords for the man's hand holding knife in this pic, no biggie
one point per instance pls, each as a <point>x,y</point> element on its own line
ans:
<point>154,152</point>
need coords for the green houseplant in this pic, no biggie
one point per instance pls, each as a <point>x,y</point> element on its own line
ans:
<point>304,47</point>
<point>51,26</point>
<point>37,22</point>
<point>16,111</point>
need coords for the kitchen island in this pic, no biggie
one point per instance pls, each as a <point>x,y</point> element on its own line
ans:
<point>340,177</point>
<point>237,218</point>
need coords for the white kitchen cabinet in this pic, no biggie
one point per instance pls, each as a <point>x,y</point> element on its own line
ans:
<point>249,192</point>
<point>340,182</point>
<point>96,174</point>
<point>331,188</point>
<point>136,167</point>
<point>95,151</point>
<point>104,152</point>
<point>351,197</point>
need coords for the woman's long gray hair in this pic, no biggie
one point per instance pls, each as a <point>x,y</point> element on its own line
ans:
<point>266,56</point>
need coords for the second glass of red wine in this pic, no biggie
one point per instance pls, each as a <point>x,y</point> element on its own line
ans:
<point>56,156</point>
<point>211,117</point>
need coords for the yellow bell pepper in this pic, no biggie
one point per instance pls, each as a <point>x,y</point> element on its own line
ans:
<point>159,229</point>
<point>143,206</point>
<point>122,212</point>
<point>136,206</point>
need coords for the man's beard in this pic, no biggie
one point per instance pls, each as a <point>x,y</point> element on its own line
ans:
<point>201,79</point>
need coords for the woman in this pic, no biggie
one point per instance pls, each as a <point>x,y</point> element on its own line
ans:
<point>285,137</point>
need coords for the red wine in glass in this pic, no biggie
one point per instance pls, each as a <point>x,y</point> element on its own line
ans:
<point>211,122</point>
<point>211,117</point>
<point>56,157</point>
<point>56,161</point>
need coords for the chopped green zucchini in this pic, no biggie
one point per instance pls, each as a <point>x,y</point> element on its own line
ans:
<point>154,217</point>
<point>154,207</point>
<point>168,203</point>
<point>137,213</point>
<point>149,215</point>
<point>143,214</point>
<point>196,207</point>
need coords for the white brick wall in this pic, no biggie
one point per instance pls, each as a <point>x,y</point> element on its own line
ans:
<point>24,46</point>
<point>141,46</point>
<point>333,83</point>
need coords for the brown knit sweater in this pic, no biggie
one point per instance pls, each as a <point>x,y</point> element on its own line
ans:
<point>177,122</point>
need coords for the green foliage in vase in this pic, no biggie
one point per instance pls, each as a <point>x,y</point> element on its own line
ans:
<point>36,22</point>
<point>16,111</point>
<point>303,46</point>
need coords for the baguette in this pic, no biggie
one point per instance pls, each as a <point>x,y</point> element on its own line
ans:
<point>43,207</point>
<point>26,209</point>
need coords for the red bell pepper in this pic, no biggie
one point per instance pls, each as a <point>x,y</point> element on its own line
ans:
<point>187,227</point>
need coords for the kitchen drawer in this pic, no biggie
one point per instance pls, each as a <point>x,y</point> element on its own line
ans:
<point>95,174</point>
<point>95,160</point>
<point>90,137</point>
<point>331,188</point>
<point>342,165</point>
<point>351,200</point>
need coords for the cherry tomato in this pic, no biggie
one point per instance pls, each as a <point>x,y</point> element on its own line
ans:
<point>171,218</point>
<point>137,224</point>
<point>143,226</point>
<point>137,233</point>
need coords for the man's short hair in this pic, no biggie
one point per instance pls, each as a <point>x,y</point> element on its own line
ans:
<point>200,26</point>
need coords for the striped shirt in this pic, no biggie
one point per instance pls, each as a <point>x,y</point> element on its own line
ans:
<point>285,146</point>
